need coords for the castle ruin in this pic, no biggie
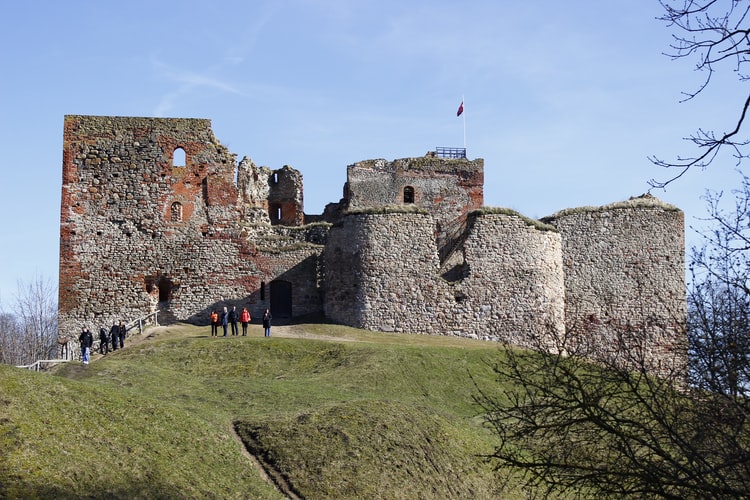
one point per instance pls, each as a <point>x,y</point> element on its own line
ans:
<point>157,214</point>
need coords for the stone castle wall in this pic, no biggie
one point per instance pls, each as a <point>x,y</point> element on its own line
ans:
<point>625,277</point>
<point>390,280</point>
<point>408,249</point>
<point>139,232</point>
<point>381,271</point>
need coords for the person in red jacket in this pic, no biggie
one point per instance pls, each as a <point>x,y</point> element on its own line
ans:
<point>244,319</point>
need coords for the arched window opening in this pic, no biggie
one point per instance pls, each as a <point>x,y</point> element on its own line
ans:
<point>178,158</point>
<point>408,194</point>
<point>176,212</point>
<point>275,178</point>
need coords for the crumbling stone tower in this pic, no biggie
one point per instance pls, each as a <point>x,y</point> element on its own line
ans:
<point>448,189</point>
<point>152,217</point>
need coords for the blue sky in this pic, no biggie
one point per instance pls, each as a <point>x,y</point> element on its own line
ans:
<point>565,101</point>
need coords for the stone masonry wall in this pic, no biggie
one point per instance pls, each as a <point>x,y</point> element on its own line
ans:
<point>447,189</point>
<point>383,274</point>
<point>380,272</point>
<point>514,288</point>
<point>625,280</point>
<point>140,232</point>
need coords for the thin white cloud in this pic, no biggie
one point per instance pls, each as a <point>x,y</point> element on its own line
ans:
<point>236,54</point>
<point>248,38</point>
<point>191,78</point>
<point>188,81</point>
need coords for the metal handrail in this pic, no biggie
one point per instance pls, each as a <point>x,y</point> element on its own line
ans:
<point>36,365</point>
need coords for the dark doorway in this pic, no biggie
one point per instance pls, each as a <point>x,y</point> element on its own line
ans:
<point>165,290</point>
<point>281,299</point>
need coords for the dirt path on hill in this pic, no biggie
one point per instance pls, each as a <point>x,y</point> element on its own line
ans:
<point>254,331</point>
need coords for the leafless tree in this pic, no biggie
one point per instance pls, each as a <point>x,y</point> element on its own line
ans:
<point>10,340</point>
<point>603,429</point>
<point>717,34</point>
<point>28,332</point>
<point>719,298</point>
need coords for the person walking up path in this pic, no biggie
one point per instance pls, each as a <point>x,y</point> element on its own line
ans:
<point>103,341</point>
<point>87,340</point>
<point>114,333</point>
<point>121,333</point>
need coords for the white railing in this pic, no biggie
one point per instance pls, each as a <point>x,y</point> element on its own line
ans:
<point>37,365</point>
<point>67,350</point>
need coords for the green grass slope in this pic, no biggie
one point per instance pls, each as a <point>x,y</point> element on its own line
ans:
<point>328,411</point>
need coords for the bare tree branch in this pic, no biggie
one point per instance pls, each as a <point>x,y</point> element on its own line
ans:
<point>29,331</point>
<point>613,429</point>
<point>714,32</point>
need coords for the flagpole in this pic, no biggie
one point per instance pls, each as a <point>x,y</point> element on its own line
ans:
<point>464,113</point>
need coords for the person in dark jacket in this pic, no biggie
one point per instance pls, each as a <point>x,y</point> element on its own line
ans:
<point>114,333</point>
<point>87,340</point>
<point>233,320</point>
<point>121,332</point>
<point>103,341</point>
<point>224,320</point>
<point>267,323</point>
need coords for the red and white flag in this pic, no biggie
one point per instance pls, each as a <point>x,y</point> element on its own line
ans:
<point>460,109</point>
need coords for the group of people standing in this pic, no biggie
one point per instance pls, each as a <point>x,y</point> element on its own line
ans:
<point>115,335</point>
<point>228,318</point>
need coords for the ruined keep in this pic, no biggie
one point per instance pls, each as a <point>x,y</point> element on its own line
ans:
<point>156,214</point>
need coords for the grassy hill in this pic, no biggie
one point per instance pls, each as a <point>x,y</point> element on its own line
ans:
<point>316,411</point>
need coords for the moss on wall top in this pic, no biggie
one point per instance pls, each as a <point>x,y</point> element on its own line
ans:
<point>510,212</point>
<point>644,201</point>
<point>389,209</point>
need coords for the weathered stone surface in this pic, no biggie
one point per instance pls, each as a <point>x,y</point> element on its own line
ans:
<point>140,233</point>
<point>387,278</point>
<point>624,267</point>
<point>409,247</point>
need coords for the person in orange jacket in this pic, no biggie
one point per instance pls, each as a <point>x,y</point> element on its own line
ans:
<point>244,319</point>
